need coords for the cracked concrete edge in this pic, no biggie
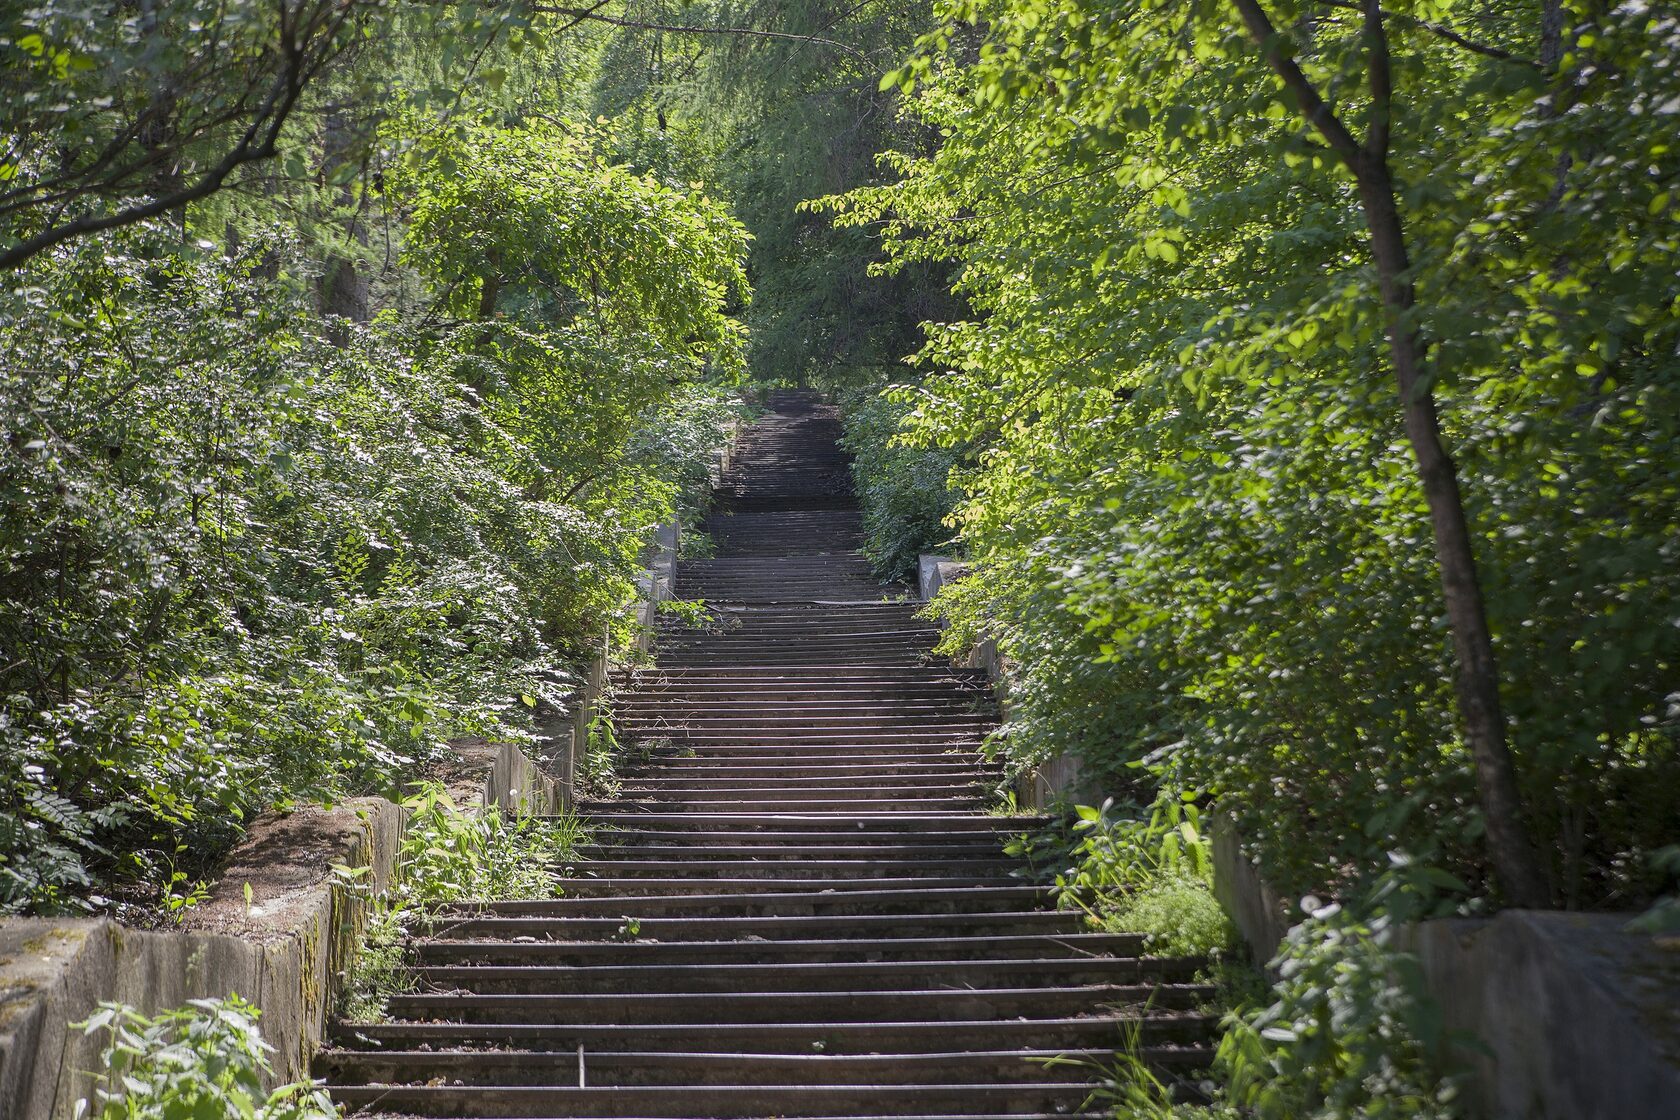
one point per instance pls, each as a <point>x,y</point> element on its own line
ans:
<point>286,948</point>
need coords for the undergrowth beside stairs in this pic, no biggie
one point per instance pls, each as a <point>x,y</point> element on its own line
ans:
<point>450,856</point>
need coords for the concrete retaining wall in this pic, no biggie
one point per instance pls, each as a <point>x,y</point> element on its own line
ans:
<point>1579,1019</point>
<point>286,949</point>
<point>1572,1018</point>
<point>1059,782</point>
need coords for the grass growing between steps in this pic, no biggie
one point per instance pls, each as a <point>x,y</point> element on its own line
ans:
<point>451,856</point>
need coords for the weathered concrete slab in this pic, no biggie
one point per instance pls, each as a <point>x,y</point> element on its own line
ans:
<point>1262,916</point>
<point>1581,1020</point>
<point>285,949</point>
<point>1574,1019</point>
<point>934,572</point>
<point>502,775</point>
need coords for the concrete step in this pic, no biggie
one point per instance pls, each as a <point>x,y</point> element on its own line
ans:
<point>832,845</point>
<point>717,1102</point>
<point>692,794</point>
<point>665,1067</point>
<point>794,1006</point>
<point>915,899</point>
<point>582,886</point>
<point>858,826</point>
<point>858,976</point>
<point>716,853</point>
<point>718,773</point>
<point>954,734</point>
<point>837,1037</point>
<point>835,807</point>
<point>709,868</point>
<point>630,925</point>
<point>791,951</point>
<point>693,761</point>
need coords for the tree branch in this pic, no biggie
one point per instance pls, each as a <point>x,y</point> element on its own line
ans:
<point>1443,31</point>
<point>1381,81</point>
<point>1313,106</point>
<point>258,142</point>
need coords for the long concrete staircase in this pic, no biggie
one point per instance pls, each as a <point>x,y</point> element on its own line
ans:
<point>797,904</point>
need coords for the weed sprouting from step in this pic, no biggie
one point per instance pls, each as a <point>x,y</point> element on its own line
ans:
<point>1126,1087</point>
<point>691,613</point>
<point>451,856</point>
<point>597,771</point>
<point>380,970</point>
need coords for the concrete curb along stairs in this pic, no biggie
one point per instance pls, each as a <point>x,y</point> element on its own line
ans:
<point>798,905</point>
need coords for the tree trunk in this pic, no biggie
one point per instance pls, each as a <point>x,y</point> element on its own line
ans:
<point>1513,855</point>
<point>1509,846</point>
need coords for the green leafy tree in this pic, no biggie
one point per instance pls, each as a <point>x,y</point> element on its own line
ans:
<point>1318,363</point>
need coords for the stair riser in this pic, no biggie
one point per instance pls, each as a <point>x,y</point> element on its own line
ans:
<point>775,905</point>
<point>1073,947</point>
<point>727,979</point>
<point>798,1038</point>
<point>606,1070</point>
<point>791,926</point>
<point>786,1007</point>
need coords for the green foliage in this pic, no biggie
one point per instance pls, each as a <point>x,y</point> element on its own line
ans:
<point>206,1059</point>
<point>1663,918</point>
<point>1178,916</point>
<point>773,120</point>
<point>597,769</point>
<point>1350,1031</point>
<point>114,122</point>
<point>902,489</point>
<point>379,969</point>
<point>1115,852</point>
<point>1196,529</point>
<point>692,613</point>
<point>448,855</point>
<point>637,272</point>
<point>252,555</point>
<point>1127,1089</point>
<point>1148,873</point>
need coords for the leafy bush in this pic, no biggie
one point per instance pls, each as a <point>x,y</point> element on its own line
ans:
<point>448,855</point>
<point>1349,1031</point>
<point>1145,873</point>
<point>254,555</point>
<point>207,1059</point>
<point>903,490</point>
<point>1178,916</point>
